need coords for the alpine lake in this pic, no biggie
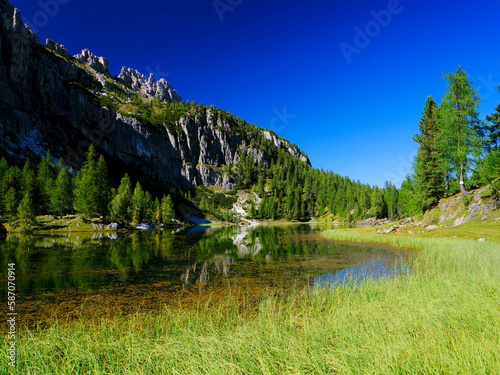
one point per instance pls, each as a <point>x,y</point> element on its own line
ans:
<point>87,275</point>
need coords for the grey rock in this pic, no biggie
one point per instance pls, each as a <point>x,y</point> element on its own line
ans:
<point>473,208</point>
<point>148,88</point>
<point>407,221</point>
<point>431,227</point>
<point>485,217</point>
<point>452,203</point>
<point>451,216</point>
<point>143,227</point>
<point>482,240</point>
<point>97,63</point>
<point>114,226</point>
<point>58,48</point>
<point>487,208</point>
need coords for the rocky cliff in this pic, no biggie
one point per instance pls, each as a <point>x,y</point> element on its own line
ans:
<point>52,100</point>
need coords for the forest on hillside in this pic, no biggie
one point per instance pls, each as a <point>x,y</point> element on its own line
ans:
<point>457,151</point>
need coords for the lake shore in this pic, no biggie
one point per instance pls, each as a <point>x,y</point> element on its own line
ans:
<point>442,317</point>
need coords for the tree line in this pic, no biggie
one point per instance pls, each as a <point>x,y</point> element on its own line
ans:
<point>53,189</point>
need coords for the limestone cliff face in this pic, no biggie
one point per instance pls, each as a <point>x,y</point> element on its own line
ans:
<point>51,100</point>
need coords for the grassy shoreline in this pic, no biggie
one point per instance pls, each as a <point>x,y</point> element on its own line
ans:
<point>441,318</point>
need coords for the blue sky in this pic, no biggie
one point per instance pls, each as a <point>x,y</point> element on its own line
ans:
<point>283,65</point>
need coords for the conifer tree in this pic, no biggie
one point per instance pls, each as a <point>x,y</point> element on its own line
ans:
<point>26,211</point>
<point>102,187</point>
<point>138,206</point>
<point>493,130</point>
<point>459,123</point>
<point>85,185</point>
<point>157,210</point>
<point>92,189</point>
<point>62,194</point>
<point>167,209</point>
<point>10,204</point>
<point>428,166</point>
<point>121,205</point>
<point>30,185</point>
<point>45,176</point>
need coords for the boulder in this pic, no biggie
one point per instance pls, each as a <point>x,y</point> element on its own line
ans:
<point>407,220</point>
<point>431,227</point>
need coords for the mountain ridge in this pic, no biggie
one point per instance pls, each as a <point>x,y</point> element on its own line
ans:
<point>52,100</point>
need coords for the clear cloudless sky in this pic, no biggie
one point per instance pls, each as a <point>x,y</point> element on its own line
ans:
<point>279,64</point>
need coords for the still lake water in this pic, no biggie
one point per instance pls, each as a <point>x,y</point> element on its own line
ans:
<point>83,275</point>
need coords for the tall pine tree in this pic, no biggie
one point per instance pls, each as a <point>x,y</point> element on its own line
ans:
<point>428,166</point>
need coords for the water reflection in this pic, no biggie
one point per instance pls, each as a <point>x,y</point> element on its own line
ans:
<point>78,273</point>
<point>375,270</point>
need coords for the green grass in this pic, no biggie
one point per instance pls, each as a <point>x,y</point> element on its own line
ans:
<point>443,318</point>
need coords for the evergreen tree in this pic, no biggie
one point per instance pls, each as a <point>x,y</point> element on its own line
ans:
<point>26,211</point>
<point>92,189</point>
<point>138,206</point>
<point>252,209</point>
<point>85,185</point>
<point>157,210</point>
<point>428,166</point>
<point>493,130</point>
<point>45,176</point>
<point>121,205</point>
<point>62,194</point>
<point>167,209</point>
<point>30,185</point>
<point>408,204</point>
<point>10,204</point>
<point>459,123</point>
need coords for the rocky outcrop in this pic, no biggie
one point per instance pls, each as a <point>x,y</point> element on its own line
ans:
<point>51,101</point>
<point>96,63</point>
<point>58,48</point>
<point>148,88</point>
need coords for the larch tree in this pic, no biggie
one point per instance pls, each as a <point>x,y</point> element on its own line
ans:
<point>62,195</point>
<point>46,176</point>
<point>167,209</point>
<point>121,205</point>
<point>458,118</point>
<point>429,162</point>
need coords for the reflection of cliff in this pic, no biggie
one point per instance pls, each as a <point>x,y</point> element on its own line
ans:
<point>247,243</point>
